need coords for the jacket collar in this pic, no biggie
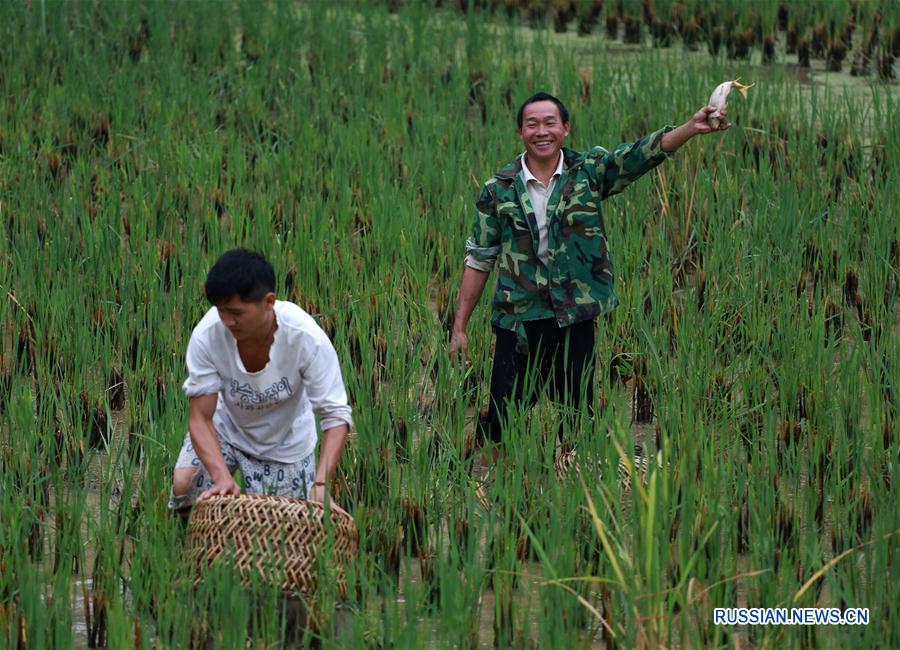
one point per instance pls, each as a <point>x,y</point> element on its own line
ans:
<point>571,160</point>
<point>528,176</point>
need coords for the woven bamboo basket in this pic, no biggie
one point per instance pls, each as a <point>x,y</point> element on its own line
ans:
<point>273,539</point>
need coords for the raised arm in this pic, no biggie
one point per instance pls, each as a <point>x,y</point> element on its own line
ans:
<point>698,124</point>
<point>618,169</point>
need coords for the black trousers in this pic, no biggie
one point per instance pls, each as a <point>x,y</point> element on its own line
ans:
<point>562,357</point>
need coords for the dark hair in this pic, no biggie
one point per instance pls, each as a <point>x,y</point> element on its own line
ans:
<point>543,97</point>
<point>239,272</point>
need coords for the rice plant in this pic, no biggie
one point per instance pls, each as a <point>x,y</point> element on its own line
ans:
<point>754,356</point>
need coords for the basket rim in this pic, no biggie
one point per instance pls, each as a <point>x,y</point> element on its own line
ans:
<point>223,499</point>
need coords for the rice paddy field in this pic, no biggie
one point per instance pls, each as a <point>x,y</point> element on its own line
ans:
<point>754,356</point>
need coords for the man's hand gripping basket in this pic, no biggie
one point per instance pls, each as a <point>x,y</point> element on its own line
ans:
<point>274,539</point>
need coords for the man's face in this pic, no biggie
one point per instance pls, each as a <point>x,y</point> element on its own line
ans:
<point>543,132</point>
<point>247,320</point>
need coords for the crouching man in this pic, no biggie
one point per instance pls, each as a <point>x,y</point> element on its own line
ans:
<point>260,371</point>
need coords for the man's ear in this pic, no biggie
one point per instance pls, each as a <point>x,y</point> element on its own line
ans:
<point>269,299</point>
<point>566,126</point>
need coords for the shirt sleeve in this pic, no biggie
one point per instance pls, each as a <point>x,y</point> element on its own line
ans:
<point>203,378</point>
<point>617,170</point>
<point>325,385</point>
<point>483,247</point>
<point>478,265</point>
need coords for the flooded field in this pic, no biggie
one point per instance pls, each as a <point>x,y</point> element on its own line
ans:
<point>753,359</point>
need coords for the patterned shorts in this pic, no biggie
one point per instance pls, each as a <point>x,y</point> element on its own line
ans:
<point>260,476</point>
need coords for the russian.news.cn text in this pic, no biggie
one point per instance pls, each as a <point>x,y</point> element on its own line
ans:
<point>790,616</point>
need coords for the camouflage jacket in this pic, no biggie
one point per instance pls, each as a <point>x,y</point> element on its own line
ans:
<point>577,283</point>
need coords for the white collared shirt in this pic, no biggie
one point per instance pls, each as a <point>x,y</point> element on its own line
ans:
<point>270,414</point>
<point>538,195</point>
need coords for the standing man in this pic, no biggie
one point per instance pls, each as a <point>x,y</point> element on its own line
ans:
<point>540,220</point>
<point>259,371</point>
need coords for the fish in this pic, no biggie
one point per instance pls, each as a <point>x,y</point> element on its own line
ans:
<point>719,99</point>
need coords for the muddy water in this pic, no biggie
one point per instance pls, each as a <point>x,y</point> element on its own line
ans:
<point>430,627</point>
<point>527,593</point>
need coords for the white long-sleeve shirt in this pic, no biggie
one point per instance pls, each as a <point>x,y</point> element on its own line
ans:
<point>270,414</point>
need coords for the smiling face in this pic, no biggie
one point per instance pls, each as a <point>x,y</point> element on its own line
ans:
<point>248,321</point>
<point>542,132</point>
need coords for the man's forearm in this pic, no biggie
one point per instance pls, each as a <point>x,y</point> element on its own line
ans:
<point>333,441</point>
<point>672,140</point>
<point>206,444</point>
<point>470,290</point>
